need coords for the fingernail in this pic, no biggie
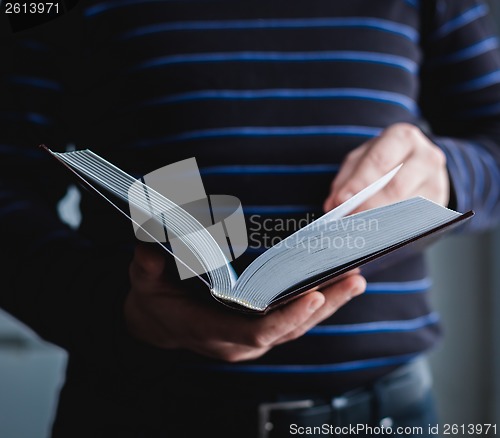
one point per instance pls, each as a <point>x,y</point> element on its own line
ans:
<point>315,305</point>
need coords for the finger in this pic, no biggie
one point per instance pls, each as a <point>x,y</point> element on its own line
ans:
<point>336,296</point>
<point>408,182</point>
<point>346,170</point>
<point>382,157</point>
<point>286,319</point>
<point>344,173</point>
<point>350,163</point>
<point>337,279</point>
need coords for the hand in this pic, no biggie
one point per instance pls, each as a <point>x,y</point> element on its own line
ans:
<point>166,317</point>
<point>423,173</point>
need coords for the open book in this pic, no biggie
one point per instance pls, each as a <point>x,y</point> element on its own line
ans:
<point>314,255</point>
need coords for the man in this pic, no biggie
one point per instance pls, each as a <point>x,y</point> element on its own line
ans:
<point>292,107</point>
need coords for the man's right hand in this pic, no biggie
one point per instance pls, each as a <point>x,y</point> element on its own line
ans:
<point>166,317</point>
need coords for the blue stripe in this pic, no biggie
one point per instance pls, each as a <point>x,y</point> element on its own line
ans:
<point>487,80</point>
<point>326,93</point>
<point>293,23</point>
<point>357,365</point>
<point>271,169</point>
<point>7,149</point>
<point>399,287</point>
<point>15,207</point>
<point>262,131</point>
<point>36,82</point>
<point>37,119</point>
<point>467,53</point>
<point>376,326</point>
<point>486,110</point>
<point>413,3</point>
<point>50,237</point>
<point>465,18</point>
<point>35,45</point>
<point>351,56</point>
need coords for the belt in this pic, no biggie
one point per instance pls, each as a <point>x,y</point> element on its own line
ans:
<point>388,397</point>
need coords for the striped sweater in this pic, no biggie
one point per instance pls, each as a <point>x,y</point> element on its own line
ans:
<point>269,97</point>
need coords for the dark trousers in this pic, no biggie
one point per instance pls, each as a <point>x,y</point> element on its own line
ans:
<point>402,401</point>
<point>400,404</point>
<point>414,421</point>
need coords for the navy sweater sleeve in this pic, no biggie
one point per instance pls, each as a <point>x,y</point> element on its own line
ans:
<point>460,91</point>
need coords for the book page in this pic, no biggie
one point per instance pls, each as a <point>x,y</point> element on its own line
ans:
<point>323,249</point>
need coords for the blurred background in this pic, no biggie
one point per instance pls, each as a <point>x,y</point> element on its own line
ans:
<point>466,365</point>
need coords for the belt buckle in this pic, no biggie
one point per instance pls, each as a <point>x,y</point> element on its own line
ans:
<point>265,409</point>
